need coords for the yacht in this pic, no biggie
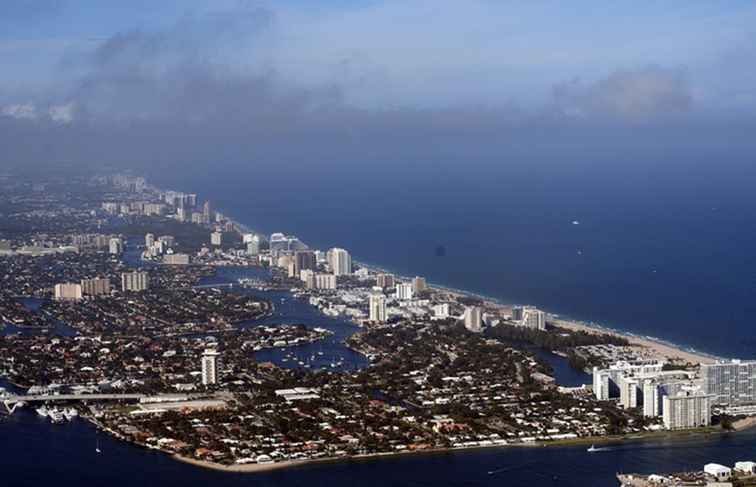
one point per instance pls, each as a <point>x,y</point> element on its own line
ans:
<point>70,413</point>
<point>593,449</point>
<point>42,411</point>
<point>56,416</point>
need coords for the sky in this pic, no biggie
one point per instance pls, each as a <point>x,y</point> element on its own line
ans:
<point>184,74</point>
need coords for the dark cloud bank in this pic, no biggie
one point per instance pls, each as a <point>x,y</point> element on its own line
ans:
<point>177,101</point>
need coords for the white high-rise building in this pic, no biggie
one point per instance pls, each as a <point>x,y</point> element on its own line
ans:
<point>652,404</point>
<point>253,245</point>
<point>403,291</point>
<point>115,246</point>
<point>149,240</point>
<point>529,317</point>
<point>135,281</point>
<point>210,366</point>
<point>216,238</point>
<point>630,392</point>
<point>340,262</point>
<point>441,311</point>
<point>68,292</point>
<point>98,286</point>
<point>730,383</point>
<point>685,411</point>
<point>325,281</point>
<point>606,382</point>
<point>473,319</point>
<point>377,308</point>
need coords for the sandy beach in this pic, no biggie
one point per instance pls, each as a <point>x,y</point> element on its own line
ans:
<point>665,350</point>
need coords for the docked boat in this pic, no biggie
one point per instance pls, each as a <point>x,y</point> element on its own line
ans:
<point>42,411</point>
<point>70,413</point>
<point>56,416</point>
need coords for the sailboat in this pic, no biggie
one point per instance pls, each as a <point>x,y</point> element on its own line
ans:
<point>97,448</point>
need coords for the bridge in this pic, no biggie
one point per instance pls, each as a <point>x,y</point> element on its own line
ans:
<point>73,397</point>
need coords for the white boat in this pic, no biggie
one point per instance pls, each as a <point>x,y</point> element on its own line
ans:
<point>56,416</point>
<point>593,449</point>
<point>42,411</point>
<point>70,413</point>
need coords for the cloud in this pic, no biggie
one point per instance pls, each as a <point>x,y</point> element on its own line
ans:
<point>62,114</point>
<point>22,111</point>
<point>630,94</point>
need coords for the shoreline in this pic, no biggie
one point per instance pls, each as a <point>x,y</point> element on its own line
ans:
<point>662,347</point>
<point>251,468</point>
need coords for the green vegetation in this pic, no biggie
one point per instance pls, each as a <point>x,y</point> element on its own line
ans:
<point>554,339</point>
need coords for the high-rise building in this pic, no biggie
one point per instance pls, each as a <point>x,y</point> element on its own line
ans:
<point>68,292</point>
<point>169,240</point>
<point>216,238</point>
<point>630,392</point>
<point>304,260</point>
<point>529,317</point>
<point>207,213</point>
<point>377,308</point>
<point>385,281</point>
<point>652,404</point>
<point>441,311</point>
<point>149,239</point>
<point>98,286</point>
<point>730,383</point>
<point>686,410</point>
<point>253,246</point>
<point>419,285</point>
<point>136,281</point>
<point>210,366</point>
<point>473,319</point>
<point>115,246</point>
<point>308,277</point>
<point>325,281</point>
<point>340,262</point>
<point>176,259</point>
<point>403,291</point>
<point>607,382</point>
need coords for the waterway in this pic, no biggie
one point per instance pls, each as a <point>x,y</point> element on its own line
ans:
<point>35,452</point>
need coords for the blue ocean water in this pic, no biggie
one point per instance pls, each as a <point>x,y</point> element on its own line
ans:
<point>658,248</point>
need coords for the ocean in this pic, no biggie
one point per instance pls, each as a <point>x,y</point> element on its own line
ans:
<point>655,248</point>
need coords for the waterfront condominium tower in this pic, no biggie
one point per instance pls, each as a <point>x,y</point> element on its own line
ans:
<point>210,365</point>
<point>377,308</point>
<point>730,383</point>
<point>473,319</point>
<point>685,411</point>
<point>340,262</point>
<point>135,281</point>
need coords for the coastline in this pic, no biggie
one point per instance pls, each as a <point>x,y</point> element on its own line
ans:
<point>672,351</point>
<point>664,348</point>
<point>250,468</point>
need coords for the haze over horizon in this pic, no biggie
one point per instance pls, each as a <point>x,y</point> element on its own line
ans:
<point>345,83</point>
